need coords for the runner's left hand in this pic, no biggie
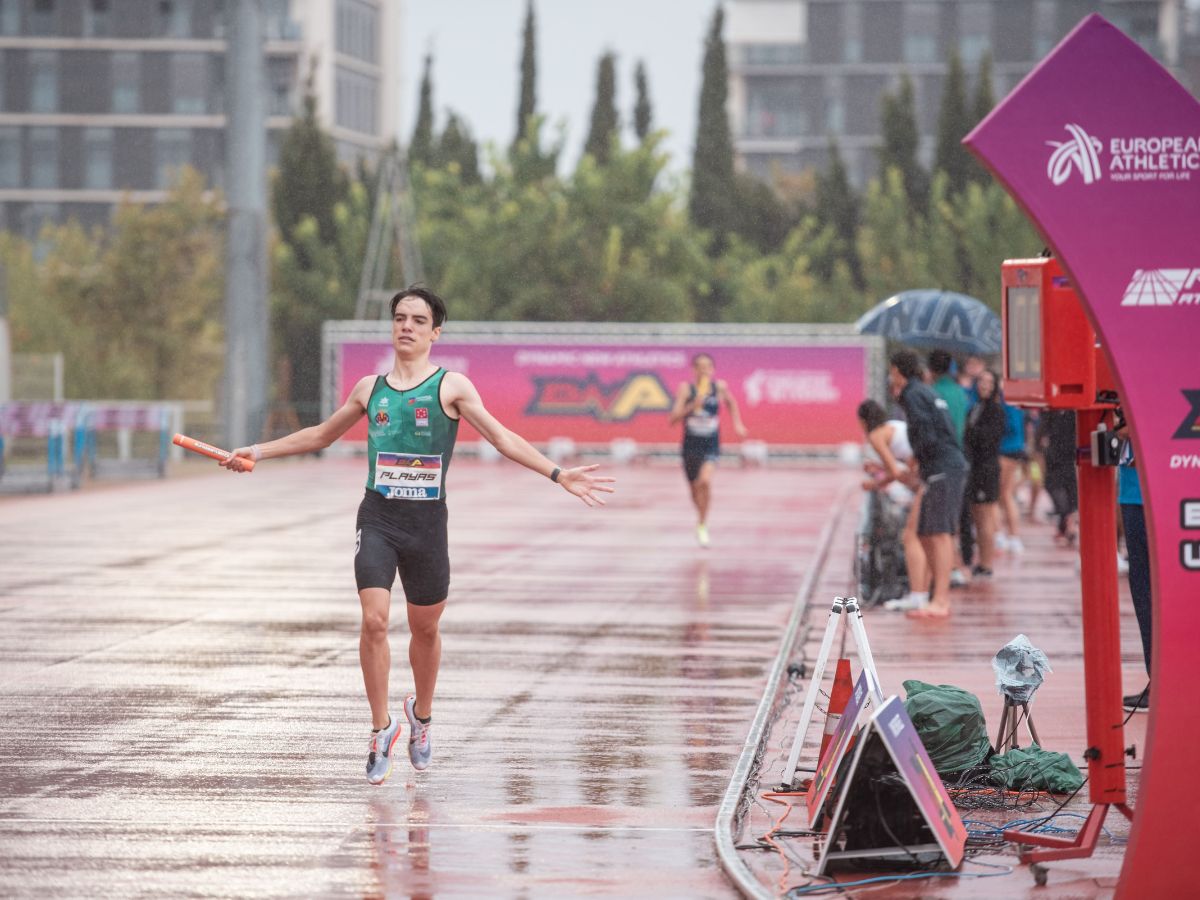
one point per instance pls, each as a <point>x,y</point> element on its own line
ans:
<point>583,484</point>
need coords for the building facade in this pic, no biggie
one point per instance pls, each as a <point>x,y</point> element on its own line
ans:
<point>102,100</point>
<point>805,72</point>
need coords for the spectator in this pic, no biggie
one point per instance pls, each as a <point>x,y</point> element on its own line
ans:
<point>985,428</point>
<point>1129,496</point>
<point>889,439</point>
<point>1012,460</point>
<point>949,390</point>
<point>941,470</point>
<point>1056,439</point>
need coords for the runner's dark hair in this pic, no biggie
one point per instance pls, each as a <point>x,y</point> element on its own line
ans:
<point>437,306</point>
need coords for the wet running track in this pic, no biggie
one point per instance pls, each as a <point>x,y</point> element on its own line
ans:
<point>183,713</point>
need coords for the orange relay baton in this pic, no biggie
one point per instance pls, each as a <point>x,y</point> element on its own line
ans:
<point>204,449</point>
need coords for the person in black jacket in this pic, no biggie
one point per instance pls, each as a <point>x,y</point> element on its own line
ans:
<point>943,473</point>
<point>985,428</point>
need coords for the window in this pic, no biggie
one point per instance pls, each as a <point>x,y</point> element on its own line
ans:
<point>279,83</point>
<point>172,151</point>
<point>357,30</point>
<point>42,18</point>
<point>10,157</point>
<point>43,158</point>
<point>43,81</point>
<point>98,158</point>
<point>853,29</point>
<point>175,18</point>
<point>34,217</point>
<point>189,83</point>
<point>10,17</point>
<point>921,32</point>
<point>97,18</point>
<point>126,82</point>
<point>975,31</point>
<point>835,105</point>
<point>774,108</point>
<point>357,101</point>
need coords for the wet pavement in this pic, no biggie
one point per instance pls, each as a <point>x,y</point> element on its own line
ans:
<point>183,713</point>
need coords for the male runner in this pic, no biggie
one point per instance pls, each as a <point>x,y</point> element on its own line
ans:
<point>698,405</point>
<point>413,414</point>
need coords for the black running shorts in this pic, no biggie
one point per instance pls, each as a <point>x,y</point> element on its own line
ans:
<point>941,504</point>
<point>405,536</point>
<point>697,451</point>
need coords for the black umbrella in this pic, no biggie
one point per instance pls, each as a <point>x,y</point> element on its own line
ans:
<point>930,319</point>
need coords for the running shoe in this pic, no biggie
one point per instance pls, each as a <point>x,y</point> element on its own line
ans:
<point>1001,540</point>
<point>911,600</point>
<point>420,748</point>
<point>958,579</point>
<point>1138,702</point>
<point>702,535</point>
<point>981,572</point>
<point>379,756</point>
<point>1015,545</point>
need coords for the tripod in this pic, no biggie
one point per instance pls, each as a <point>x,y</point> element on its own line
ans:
<point>849,607</point>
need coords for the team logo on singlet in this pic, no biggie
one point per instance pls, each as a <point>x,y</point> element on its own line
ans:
<point>422,416</point>
<point>381,417</point>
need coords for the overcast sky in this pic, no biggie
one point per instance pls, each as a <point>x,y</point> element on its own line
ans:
<point>476,45</point>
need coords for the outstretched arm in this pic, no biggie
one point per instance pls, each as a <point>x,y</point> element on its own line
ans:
<point>460,394</point>
<point>315,437</point>
<point>731,405</point>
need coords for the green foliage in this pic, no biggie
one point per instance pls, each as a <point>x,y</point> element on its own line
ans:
<point>457,150</point>
<point>713,200</point>
<point>981,104</point>
<point>837,209</point>
<point>900,143</point>
<point>314,280</point>
<point>308,181</point>
<point>642,114</point>
<point>421,148</point>
<point>527,107</point>
<point>137,311</point>
<point>954,122</point>
<point>603,131</point>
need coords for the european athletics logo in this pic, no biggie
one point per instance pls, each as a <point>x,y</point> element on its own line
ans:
<point>1081,152</point>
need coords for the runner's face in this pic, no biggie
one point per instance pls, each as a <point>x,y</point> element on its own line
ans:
<point>412,327</point>
<point>704,367</point>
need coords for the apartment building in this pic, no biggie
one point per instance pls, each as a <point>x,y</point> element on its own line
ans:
<point>105,99</point>
<point>805,71</point>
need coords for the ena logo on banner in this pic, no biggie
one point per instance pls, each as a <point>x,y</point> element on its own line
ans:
<point>1079,154</point>
<point>1163,287</point>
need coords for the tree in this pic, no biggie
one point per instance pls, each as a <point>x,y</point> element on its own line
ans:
<point>714,190</point>
<point>951,156</point>
<point>642,113</point>
<point>893,240</point>
<point>458,150</point>
<point>420,148</point>
<point>901,143</point>
<point>982,103</point>
<point>527,106</point>
<point>837,209</point>
<point>603,130</point>
<point>308,180</point>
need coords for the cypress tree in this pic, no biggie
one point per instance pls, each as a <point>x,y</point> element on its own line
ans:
<point>837,208</point>
<point>982,103</point>
<point>420,148</point>
<point>714,189</point>
<point>900,144</point>
<point>457,146</point>
<point>642,114</point>
<point>604,112</point>
<point>951,156</point>
<point>527,106</point>
<point>309,181</point>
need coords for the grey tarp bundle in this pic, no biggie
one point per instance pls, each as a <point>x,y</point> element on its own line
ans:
<point>1019,666</point>
<point>1034,769</point>
<point>950,723</point>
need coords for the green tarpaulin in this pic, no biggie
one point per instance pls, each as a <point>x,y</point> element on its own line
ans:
<point>950,724</point>
<point>1035,769</point>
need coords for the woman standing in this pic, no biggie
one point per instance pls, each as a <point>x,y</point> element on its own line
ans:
<point>1012,462</point>
<point>698,406</point>
<point>985,429</point>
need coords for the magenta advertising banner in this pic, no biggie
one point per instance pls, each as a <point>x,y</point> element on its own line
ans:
<point>1101,146</point>
<point>593,393</point>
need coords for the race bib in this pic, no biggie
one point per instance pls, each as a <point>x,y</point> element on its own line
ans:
<point>408,476</point>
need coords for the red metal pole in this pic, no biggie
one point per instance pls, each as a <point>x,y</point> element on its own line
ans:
<point>1101,621</point>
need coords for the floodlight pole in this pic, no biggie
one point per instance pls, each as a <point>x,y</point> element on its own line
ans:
<point>246,336</point>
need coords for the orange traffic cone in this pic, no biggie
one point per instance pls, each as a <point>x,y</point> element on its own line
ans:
<point>838,698</point>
